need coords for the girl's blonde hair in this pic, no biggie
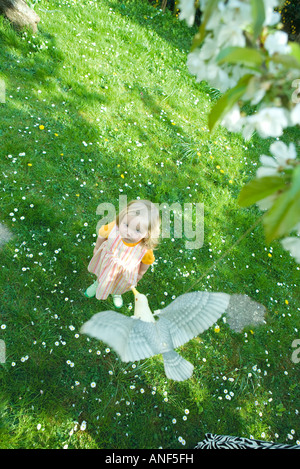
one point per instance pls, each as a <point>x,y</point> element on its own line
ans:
<point>148,209</point>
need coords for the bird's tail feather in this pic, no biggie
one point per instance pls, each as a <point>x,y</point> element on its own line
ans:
<point>176,367</point>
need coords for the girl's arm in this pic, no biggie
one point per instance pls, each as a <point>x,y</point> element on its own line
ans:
<point>99,241</point>
<point>142,270</point>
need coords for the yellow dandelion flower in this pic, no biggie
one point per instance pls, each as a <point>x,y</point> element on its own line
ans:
<point>77,195</point>
<point>230,181</point>
<point>269,254</point>
<point>217,329</point>
<point>56,135</point>
<point>29,164</point>
<point>222,171</point>
<point>218,167</point>
<point>122,176</point>
<point>286,302</point>
<point>41,127</point>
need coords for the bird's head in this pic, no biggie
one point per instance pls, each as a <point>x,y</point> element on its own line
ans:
<point>141,307</point>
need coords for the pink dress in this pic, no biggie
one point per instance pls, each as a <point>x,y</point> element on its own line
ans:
<point>116,264</point>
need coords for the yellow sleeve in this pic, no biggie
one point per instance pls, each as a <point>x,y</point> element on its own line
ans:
<point>148,257</point>
<point>106,229</point>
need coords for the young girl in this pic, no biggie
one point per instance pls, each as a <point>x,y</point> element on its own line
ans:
<point>124,251</point>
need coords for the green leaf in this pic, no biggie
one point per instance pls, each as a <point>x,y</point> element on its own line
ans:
<point>258,14</point>
<point>285,213</point>
<point>209,10</point>
<point>259,189</point>
<point>280,408</point>
<point>225,103</point>
<point>287,60</point>
<point>295,50</point>
<point>283,216</point>
<point>295,181</point>
<point>200,409</point>
<point>240,55</point>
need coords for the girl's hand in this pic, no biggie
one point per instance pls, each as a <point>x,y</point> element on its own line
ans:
<point>142,270</point>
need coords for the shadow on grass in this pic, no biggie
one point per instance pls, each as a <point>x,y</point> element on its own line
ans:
<point>164,24</point>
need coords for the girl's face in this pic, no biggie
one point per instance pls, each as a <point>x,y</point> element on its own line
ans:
<point>133,227</point>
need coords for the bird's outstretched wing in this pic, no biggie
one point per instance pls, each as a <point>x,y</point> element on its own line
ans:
<point>192,313</point>
<point>129,337</point>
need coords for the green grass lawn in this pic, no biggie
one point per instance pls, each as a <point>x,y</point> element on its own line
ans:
<point>99,103</point>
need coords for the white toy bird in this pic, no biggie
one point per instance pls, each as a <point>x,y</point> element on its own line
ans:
<point>142,336</point>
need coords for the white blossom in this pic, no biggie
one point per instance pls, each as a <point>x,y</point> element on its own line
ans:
<point>281,154</point>
<point>209,71</point>
<point>225,30</point>
<point>187,11</point>
<point>235,13</point>
<point>83,425</point>
<point>229,35</point>
<point>255,92</point>
<point>232,120</point>
<point>268,122</point>
<point>272,17</point>
<point>277,43</point>
<point>271,122</point>
<point>258,96</point>
<point>216,19</point>
<point>218,78</point>
<point>238,13</point>
<point>226,27</point>
<point>208,49</point>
